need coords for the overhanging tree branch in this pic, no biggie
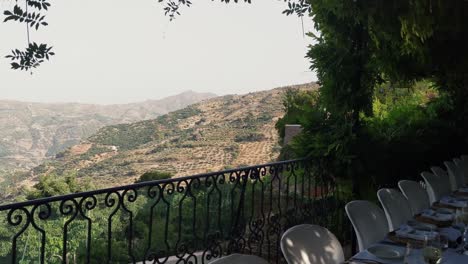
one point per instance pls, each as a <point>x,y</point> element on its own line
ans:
<point>34,54</point>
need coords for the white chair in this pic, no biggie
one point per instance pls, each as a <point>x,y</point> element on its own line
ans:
<point>239,259</point>
<point>444,179</point>
<point>455,174</point>
<point>368,221</point>
<point>311,244</point>
<point>415,194</point>
<point>435,187</point>
<point>396,207</point>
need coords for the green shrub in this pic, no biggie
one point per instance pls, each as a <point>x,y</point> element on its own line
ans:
<point>153,176</point>
<point>126,136</point>
<point>295,103</point>
<point>53,184</point>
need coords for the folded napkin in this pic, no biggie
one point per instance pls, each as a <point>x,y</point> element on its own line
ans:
<point>463,189</point>
<point>438,216</point>
<point>452,201</point>
<point>409,232</point>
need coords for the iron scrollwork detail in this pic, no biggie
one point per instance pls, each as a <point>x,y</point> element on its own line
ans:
<point>192,219</point>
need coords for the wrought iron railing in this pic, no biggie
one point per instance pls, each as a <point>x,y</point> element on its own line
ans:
<point>181,220</point>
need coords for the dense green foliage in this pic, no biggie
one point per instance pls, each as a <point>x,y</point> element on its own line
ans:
<point>407,133</point>
<point>372,138</point>
<point>153,176</point>
<point>294,103</point>
<point>125,136</point>
<point>53,185</point>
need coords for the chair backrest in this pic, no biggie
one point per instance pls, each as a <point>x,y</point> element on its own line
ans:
<point>396,207</point>
<point>303,244</point>
<point>415,194</point>
<point>434,186</point>
<point>368,221</point>
<point>444,179</point>
<point>463,165</point>
<point>239,259</point>
<point>455,173</point>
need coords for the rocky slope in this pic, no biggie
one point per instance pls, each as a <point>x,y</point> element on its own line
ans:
<point>215,134</point>
<point>31,132</point>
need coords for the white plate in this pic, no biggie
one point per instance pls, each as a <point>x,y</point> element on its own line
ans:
<point>386,251</point>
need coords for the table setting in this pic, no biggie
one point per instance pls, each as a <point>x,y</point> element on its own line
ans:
<point>438,235</point>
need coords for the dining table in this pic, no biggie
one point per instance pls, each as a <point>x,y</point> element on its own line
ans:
<point>413,255</point>
<point>449,256</point>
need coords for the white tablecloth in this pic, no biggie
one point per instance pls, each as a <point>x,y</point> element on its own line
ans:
<point>449,257</point>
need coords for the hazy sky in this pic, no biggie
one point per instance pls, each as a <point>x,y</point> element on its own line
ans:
<point>115,51</point>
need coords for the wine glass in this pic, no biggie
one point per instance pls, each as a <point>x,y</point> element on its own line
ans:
<point>432,251</point>
<point>443,242</point>
<point>464,219</point>
<point>411,256</point>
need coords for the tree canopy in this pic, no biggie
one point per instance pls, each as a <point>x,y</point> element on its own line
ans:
<point>363,45</point>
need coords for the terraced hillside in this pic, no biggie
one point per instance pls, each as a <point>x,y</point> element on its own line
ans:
<point>218,133</point>
<point>32,132</point>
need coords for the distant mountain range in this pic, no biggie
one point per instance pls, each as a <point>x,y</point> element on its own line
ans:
<point>214,134</point>
<point>32,132</point>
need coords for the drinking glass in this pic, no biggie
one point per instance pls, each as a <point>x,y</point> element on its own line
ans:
<point>458,217</point>
<point>409,258</point>
<point>443,241</point>
<point>464,216</point>
<point>432,251</point>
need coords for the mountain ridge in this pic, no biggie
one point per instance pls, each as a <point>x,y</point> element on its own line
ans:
<point>33,131</point>
<point>188,91</point>
<point>214,134</point>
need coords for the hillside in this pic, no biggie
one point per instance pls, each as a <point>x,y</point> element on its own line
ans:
<point>32,132</point>
<point>215,134</point>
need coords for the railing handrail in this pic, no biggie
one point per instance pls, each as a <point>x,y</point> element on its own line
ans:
<point>138,185</point>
